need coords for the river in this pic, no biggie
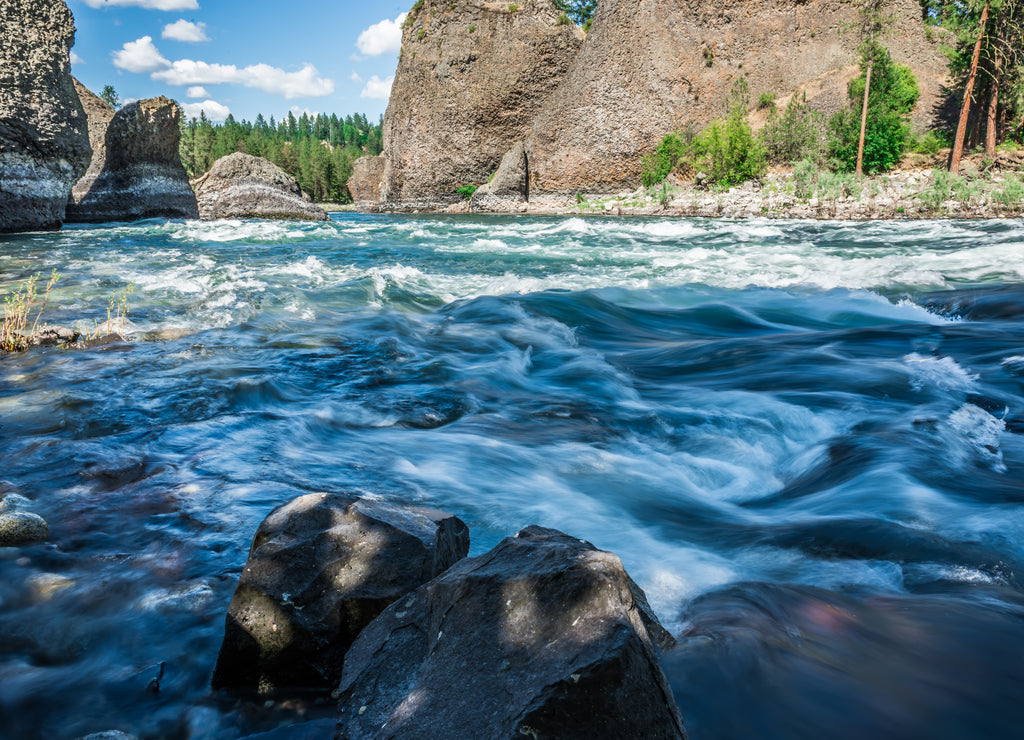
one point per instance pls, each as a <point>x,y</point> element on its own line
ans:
<point>802,438</point>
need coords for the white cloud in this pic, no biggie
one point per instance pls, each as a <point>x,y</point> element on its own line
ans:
<point>355,77</point>
<point>75,59</point>
<point>214,110</point>
<point>197,92</point>
<point>302,84</point>
<point>382,38</point>
<point>148,4</point>
<point>140,56</point>
<point>377,89</point>
<point>183,30</point>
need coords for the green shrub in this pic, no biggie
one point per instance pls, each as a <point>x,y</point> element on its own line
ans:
<point>940,190</point>
<point>466,191</point>
<point>836,185</point>
<point>893,94</point>
<point>928,143</point>
<point>662,160</point>
<point>1011,195</point>
<point>797,134</point>
<point>767,100</point>
<point>513,7</point>
<point>805,178</point>
<point>727,150</point>
<point>563,20</point>
<point>421,34</point>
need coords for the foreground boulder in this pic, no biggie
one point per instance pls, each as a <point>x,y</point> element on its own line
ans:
<point>137,172</point>
<point>471,77</point>
<point>365,182</point>
<point>22,528</point>
<point>243,186</point>
<point>544,636</point>
<point>44,145</point>
<point>320,569</point>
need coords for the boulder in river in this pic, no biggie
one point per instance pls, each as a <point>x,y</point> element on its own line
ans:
<point>44,144</point>
<point>320,569</point>
<point>137,172</point>
<point>544,636</point>
<point>22,528</point>
<point>243,186</point>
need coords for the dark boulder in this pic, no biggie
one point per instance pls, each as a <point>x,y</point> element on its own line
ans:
<point>242,186</point>
<point>320,569</point>
<point>44,144</point>
<point>137,172</point>
<point>544,636</point>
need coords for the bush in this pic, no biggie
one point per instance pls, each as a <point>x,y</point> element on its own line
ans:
<point>941,189</point>
<point>797,134</point>
<point>928,143</point>
<point>767,100</point>
<point>466,191</point>
<point>1011,196</point>
<point>662,160</point>
<point>892,96</point>
<point>727,150</point>
<point>805,178</point>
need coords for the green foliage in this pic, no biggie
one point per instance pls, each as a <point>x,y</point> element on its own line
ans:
<point>1011,195</point>
<point>892,96</point>
<point>928,143</point>
<point>767,100</point>
<point>466,190</point>
<point>513,7</point>
<point>564,20</point>
<point>421,34</point>
<point>110,97</point>
<point>805,178</point>
<point>657,164</point>
<point>727,151</point>
<point>941,189</point>
<point>317,150</point>
<point>580,12</point>
<point>797,134</point>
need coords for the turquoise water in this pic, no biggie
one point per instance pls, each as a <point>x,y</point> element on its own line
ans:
<point>802,438</point>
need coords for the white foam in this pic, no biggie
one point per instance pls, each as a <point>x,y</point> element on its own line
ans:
<point>943,373</point>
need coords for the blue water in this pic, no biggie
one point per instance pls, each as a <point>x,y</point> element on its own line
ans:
<point>802,438</point>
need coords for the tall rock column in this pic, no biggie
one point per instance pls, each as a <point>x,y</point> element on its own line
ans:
<point>471,77</point>
<point>44,143</point>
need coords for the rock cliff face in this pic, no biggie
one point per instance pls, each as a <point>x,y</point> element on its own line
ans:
<point>243,186</point>
<point>470,81</point>
<point>653,66</point>
<point>137,172</point>
<point>365,183</point>
<point>44,145</point>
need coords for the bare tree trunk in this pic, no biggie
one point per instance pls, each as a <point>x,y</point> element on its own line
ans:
<point>864,120</point>
<point>992,130</point>
<point>961,127</point>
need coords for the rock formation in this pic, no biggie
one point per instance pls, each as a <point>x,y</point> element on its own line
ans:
<point>242,186</point>
<point>509,189</point>
<point>543,636</point>
<point>470,80</point>
<point>137,173</point>
<point>44,145</point>
<point>365,183</point>
<point>320,569</point>
<point>659,66</point>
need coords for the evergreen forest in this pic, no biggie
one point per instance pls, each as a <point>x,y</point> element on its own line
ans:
<point>316,150</point>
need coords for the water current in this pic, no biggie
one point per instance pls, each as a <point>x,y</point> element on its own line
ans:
<point>802,438</point>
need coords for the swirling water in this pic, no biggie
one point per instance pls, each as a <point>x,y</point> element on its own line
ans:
<point>803,439</point>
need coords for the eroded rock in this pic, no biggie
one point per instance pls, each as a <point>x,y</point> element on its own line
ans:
<point>243,186</point>
<point>544,636</point>
<point>137,172</point>
<point>509,189</point>
<point>320,569</point>
<point>44,144</point>
<point>365,183</point>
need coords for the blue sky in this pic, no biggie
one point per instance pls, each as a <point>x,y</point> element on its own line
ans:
<point>257,56</point>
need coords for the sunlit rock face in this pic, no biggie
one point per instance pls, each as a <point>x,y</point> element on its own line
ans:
<point>243,186</point>
<point>543,636</point>
<point>320,569</point>
<point>44,143</point>
<point>137,172</point>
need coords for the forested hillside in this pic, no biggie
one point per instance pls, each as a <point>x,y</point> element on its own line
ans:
<point>317,150</point>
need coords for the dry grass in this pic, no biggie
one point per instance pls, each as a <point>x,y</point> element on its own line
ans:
<point>18,307</point>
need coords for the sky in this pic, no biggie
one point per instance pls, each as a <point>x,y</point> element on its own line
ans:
<point>242,57</point>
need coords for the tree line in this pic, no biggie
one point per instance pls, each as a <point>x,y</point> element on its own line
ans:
<point>317,150</point>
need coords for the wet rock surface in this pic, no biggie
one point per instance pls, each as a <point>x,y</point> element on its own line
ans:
<point>44,143</point>
<point>544,636</point>
<point>243,186</point>
<point>22,528</point>
<point>137,172</point>
<point>320,569</point>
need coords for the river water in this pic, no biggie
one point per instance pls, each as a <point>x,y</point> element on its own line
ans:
<point>802,438</point>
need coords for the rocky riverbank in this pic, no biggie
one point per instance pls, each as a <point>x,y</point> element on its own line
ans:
<point>920,189</point>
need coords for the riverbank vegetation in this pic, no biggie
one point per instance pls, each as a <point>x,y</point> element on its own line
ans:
<point>316,150</point>
<point>872,135</point>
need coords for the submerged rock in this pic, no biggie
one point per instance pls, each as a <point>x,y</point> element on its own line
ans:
<point>44,144</point>
<point>137,172</point>
<point>320,569</point>
<point>22,528</point>
<point>365,183</point>
<point>243,186</point>
<point>544,636</point>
